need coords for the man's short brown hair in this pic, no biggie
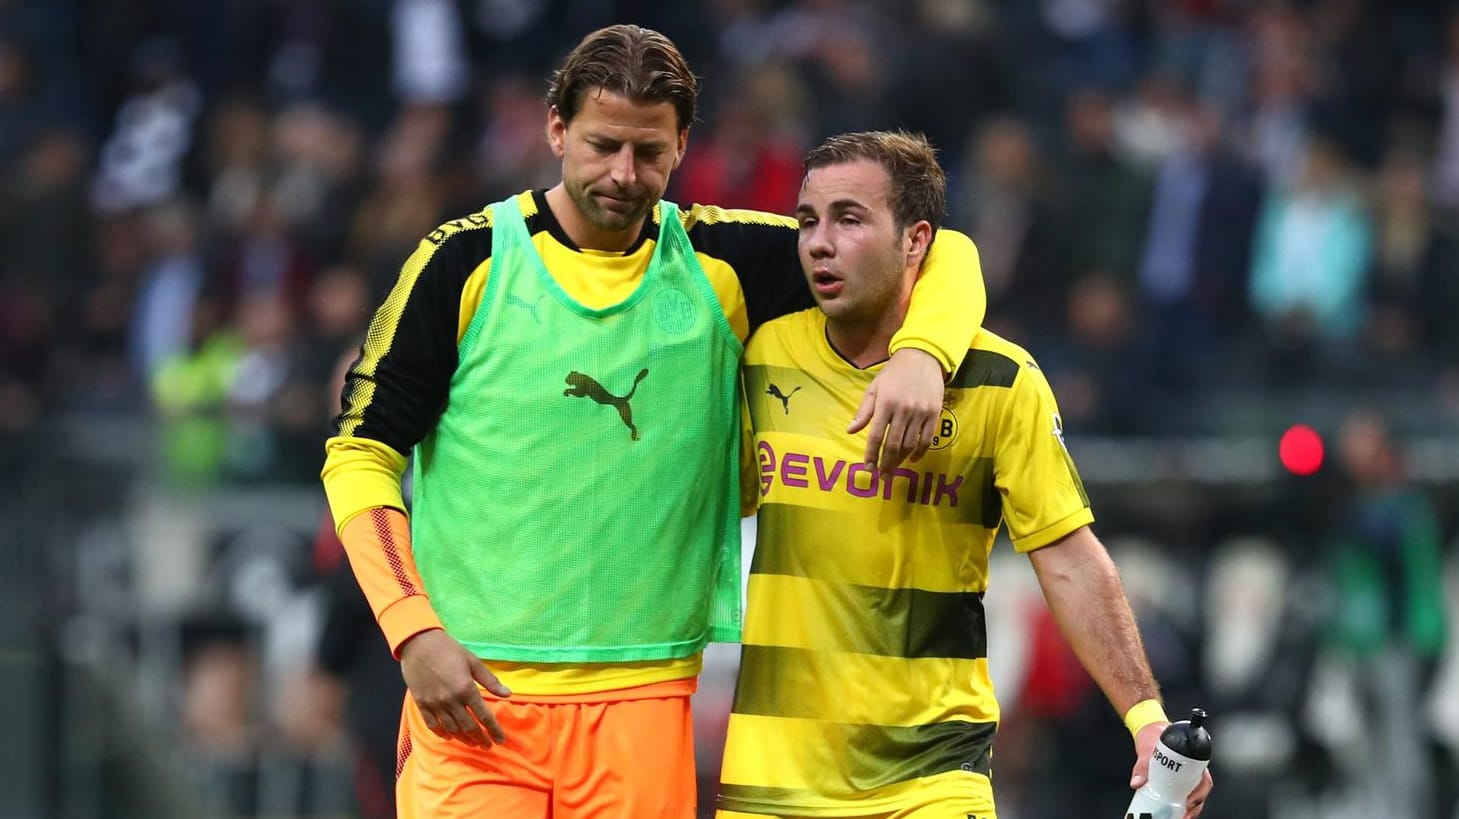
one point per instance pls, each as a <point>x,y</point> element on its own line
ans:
<point>918,189</point>
<point>637,63</point>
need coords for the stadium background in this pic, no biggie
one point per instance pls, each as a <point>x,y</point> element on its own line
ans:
<point>1210,220</point>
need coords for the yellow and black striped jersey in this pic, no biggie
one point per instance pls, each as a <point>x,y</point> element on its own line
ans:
<point>864,673</point>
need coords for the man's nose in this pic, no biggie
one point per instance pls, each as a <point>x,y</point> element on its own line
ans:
<point>623,170</point>
<point>818,241</point>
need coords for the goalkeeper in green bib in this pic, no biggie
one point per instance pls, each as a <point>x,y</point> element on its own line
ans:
<point>563,365</point>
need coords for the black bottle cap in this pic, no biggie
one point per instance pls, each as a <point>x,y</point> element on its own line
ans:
<point>1189,738</point>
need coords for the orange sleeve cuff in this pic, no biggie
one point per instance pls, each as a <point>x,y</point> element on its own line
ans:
<point>406,618</point>
<point>377,542</point>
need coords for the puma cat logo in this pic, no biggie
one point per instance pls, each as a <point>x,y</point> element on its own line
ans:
<point>784,399</point>
<point>581,386</point>
<point>530,306</point>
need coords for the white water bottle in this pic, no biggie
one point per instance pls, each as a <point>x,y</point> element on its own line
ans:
<point>1180,757</point>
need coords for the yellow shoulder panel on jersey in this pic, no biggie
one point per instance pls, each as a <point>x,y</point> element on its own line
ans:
<point>381,333</point>
<point>713,214</point>
<point>479,219</point>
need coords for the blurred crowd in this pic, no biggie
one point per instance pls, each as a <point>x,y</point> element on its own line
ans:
<point>1177,203</point>
<point>1182,208</point>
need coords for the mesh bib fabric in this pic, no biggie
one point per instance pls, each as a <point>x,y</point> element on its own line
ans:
<point>578,501</point>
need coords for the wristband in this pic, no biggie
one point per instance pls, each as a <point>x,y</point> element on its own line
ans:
<point>1144,713</point>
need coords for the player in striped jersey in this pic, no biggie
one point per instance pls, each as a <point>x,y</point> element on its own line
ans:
<point>863,688</point>
<point>564,365</point>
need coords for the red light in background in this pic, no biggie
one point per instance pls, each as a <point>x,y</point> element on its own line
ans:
<point>1301,450</point>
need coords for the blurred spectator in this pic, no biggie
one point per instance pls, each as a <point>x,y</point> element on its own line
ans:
<point>18,117</point>
<point>743,164</point>
<point>1358,73</point>
<point>1004,205</point>
<point>430,64</point>
<point>511,152</point>
<point>318,178</point>
<point>1389,616</point>
<point>25,350</point>
<point>1153,123</point>
<point>1310,263</point>
<point>43,241</point>
<point>336,55</point>
<point>236,162</point>
<point>265,260</point>
<point>1097,370</point>
<point>339,309</point>
<point>1446,155</point>
<point>941,41</point>
<point>1192,276</point>
<point>1199,44</point>
<point>189,390</point>
<point>836,46</point>
<point>745,31</point>
<point>1262,608</point>
<point>1413,288</point>
<point>272,401</point>
<point>173,281</point>
<point>97,370</point>
<point>44,229</point>
<point>1097,46</point>
<point>141,163</point>
<point>1105,200</point>
<point>1276,126</point>
<point>407,200</point>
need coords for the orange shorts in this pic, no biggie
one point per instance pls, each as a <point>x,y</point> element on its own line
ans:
<point>627,759</point>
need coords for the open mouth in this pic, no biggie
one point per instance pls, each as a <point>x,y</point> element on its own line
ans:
<point>825,282</point>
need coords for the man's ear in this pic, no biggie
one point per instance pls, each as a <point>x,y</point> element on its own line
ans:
<point>682,147</point>
<point>919,240</point>
<point>556,132</point>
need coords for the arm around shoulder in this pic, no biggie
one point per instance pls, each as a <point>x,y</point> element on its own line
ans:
<point>948,302</point>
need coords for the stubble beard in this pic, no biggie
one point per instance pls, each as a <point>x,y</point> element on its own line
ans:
<point>602,218</point>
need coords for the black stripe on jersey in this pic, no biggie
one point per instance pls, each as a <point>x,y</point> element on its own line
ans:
<point>910,623</point>
<point>985,368</point>
<point>988,511</point>
<point>883,755</point>
<point>763,255</point>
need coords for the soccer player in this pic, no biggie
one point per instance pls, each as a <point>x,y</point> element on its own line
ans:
<point>863,686</point>
<point>564,365</point>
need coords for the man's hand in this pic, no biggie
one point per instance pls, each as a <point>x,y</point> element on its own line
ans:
<point>442,676</point>
<point>902,404</point>
<point>1144,748</point>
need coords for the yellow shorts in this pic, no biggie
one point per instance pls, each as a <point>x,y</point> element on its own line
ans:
<point>623,759</point>
<point>948,795</point>
<point>931,810</point>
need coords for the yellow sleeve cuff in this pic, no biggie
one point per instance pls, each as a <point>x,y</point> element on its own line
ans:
<point>1144,713</point>
<point>361,474</point>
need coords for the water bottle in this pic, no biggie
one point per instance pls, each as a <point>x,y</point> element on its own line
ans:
<point>1180,757</point>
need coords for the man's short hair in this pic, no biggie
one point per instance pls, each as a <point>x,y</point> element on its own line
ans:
<point>918,188</point>
<point>637,63</point>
